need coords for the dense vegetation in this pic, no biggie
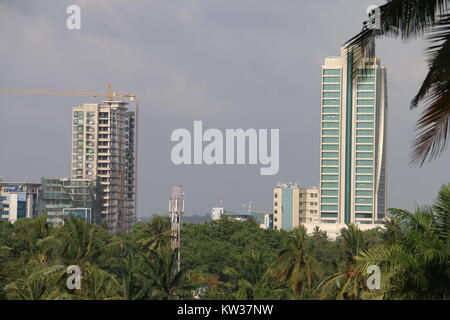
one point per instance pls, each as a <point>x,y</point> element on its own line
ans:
<point>229,260</point>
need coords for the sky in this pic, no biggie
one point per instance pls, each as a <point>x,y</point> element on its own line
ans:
<point>231,64</point>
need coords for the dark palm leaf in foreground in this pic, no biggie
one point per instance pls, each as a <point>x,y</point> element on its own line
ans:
<point>409,19</point>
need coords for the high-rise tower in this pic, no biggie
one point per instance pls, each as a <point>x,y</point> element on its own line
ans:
<point>353,140</point>
<point>103,146</point>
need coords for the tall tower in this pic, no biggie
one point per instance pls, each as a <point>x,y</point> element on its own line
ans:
<point>176,211</point>
<point>103,146</point>
<point>353,140</point>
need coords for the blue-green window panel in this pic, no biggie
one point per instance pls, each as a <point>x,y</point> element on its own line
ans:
<point>364,185</point>
<point>330,154</point>
<point>363,215</point>
<point>364,178</point>
<point>363,193</point>
<point>365,102</point>
<point>333,200</point>
<point>331,72</point>
<point>331,87</point>
<point>330,132</point>
<point>363,208</point>
<point>365,94</point>
<point>364,140</point>
<point>364,170</point>
<point>329,192</point>
<point>329,185</point>
<point>360,155</point>
<point>330,140</point>
<point>364,125</point>
<point>366,79</point>
<point>4,213</point>
<point>330,125</point>
<point>330,162</point>
<point>329,214</point>
<point>364,147</point>
<point>330,110</point>
<point>3,198</point>
<point>331,102</point>
<point>329,207</point>
<point>366,163</point>
<point>366,87</point>
<point>330,170</point>
<point>330,117</point>
<point>366,72</point>
<point>330,147</point>
<point>363,200</point>
<point>329,177</point>
<point>364,110</point>
<point>364,117</point>
<point>331,95</point>
<point>364,132</point>
<point>331,79</point>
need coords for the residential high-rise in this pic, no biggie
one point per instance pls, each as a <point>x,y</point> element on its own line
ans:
<point>103,144</point>
<point>353,140</point>
<point>293,206</point>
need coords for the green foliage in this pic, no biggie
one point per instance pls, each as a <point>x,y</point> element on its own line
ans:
<point>229,259</point>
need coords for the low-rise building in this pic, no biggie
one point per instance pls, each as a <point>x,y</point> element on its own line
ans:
<point>18,200</point>
<point>293,205</point>
<point>264,219</point>
<point>59,197</point>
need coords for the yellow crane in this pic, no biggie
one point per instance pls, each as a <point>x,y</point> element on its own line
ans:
<point>109,95</point>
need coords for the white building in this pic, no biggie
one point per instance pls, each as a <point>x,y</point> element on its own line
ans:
<point>353,141</point>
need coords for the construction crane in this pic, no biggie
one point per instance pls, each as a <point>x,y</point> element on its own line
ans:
<point>109,94</point>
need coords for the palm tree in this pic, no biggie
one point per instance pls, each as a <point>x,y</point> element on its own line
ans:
<point>156,233</point>
<point>294,265</point>
<point>167,282</point>
<point>409,19</point>
<point>417,266</point>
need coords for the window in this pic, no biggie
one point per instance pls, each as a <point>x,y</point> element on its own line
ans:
<point>330,162</point>
<point>364,110</point>
<point>330,110</point>
<point>330,147</point>
<point>331,87</point>
<point>330,154</point>
<point>364,140</point>
<point>364,117</point>
<point>364,185</point>
<point>329,207</point>
<point>363,208</point>
<point>364,155</point>
<point>330,185</point>
<point>364,147</point>
<point>331,79</point>
<point>365,102</point>
<point>330,102</point>
<point>326,177</point>
<point>329,200</point>
<point>364,132</point>
<point>364,162</point>
<point>364,178</point>
<point>330,140</point>
<point>330,125</point>
<point>330,169</point>
<point>331,72</point>
<point>364,170</point>
<point>363,215</point>
<point>366,87</point>
<point>366,94</point>
<point>330,117</point>
<point>366,72</point>
<point>330,132</point>
<point>364,200</point>
<point>335,94</point>
<point>366,79</point>
<point>363,193</point>
<point>329,192</point>
<point>366,125</point>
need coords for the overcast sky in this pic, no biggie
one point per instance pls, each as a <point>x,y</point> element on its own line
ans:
<point>232,64</point>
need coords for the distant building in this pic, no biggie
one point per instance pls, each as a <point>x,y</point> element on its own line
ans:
<point>293,206</point>
<point>59,197</point>
<point>264,219</point>
<point>18,200</point>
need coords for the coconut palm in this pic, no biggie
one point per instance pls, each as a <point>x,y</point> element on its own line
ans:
<point>418,265</point>
<point>410,19</point>
<point>294,265</point>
